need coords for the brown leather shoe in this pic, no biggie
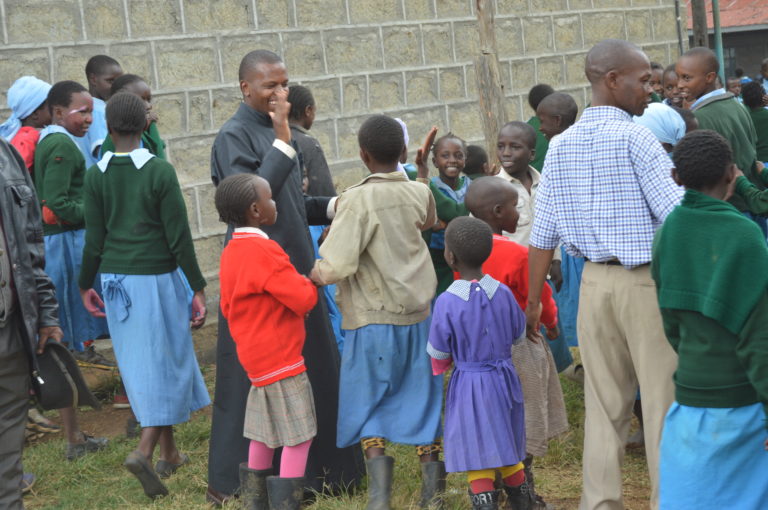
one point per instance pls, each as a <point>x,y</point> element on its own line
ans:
<point>216,498</point>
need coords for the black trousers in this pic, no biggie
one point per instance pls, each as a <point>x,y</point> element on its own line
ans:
<point>14,401</point>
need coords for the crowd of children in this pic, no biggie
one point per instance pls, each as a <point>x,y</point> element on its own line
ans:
<point>481,270</point>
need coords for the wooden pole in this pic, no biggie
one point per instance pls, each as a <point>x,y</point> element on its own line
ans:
<point>489,86</point>
<point>699,15</point>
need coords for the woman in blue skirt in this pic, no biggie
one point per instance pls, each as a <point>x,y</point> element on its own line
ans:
<point>137,235</point>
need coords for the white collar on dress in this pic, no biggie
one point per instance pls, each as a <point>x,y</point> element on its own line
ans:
<point>140,157</point>
<point>250,230</point>
<point>462,288</point>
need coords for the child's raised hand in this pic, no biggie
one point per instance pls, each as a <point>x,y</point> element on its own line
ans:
<point>423,153</point>
<point>198,310</point>
<point>92,302</point>
<point>280,115</point>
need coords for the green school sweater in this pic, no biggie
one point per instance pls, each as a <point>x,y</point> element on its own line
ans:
<point>542,144</point>
<point>760,120</point>
<point>136,222</point>
<point>732,121</point>
<point>59,174</point>
<point>150,140</point>
<point>755,199</point>
<point>713,297</point>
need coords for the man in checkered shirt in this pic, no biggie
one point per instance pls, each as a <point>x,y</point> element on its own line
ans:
<point>605,189</point>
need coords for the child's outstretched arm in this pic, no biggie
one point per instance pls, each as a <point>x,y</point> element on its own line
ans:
<point>341,250</point>
<point>756,200</point>
<point>286,285</point>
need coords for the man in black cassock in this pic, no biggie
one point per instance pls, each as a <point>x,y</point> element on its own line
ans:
<point>257,139</point>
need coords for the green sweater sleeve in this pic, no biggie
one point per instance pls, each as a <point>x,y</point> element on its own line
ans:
<point>756,200</point>
<point>62,171</point>
<point>752,350</point>
<point>95,231</point>
<point>173,215</point>
<point>447,209</point>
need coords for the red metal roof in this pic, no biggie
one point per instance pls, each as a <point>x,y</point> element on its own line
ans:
<point>735,13</point>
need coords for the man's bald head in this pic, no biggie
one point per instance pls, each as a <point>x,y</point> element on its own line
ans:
<point>705,58</point>
<point>255,58</point>
<point>611,55</point>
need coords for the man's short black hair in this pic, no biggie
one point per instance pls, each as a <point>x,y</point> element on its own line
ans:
<point>527,130</point>
<point>97,64</point>
<point>255,58</point>
<point>382,137</point>
<point>123,81</point>
<point>470,240</point>
<point>701,159</point>
<point>61,93</point>
<point>300,98</point>
<point>476,158</point>
<point>126,114</point>
<point>234,195</point>
<point>537,93</point>
<point>752,94</point>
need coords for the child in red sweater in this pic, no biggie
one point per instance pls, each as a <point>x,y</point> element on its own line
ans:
<point>265,300</point>
<point>495,202</point>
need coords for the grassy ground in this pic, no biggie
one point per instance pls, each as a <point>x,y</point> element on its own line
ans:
<point>99,481</point>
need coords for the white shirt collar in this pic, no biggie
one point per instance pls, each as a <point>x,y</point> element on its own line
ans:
<point>462,288</point>
<point>251,230</point>
<point>140,157</point>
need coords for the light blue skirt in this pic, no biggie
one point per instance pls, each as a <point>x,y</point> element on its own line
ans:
<point>568,298</point>
<point>63,257</point>
<point>713,458</point>
<point>148,317</point>
<point>387,388</point>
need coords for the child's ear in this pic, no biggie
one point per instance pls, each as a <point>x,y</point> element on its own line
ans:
<point>730,174</point>
<point>676,177</point>
<point>486,168</point>
<point>711,77</point>
<point>533,154</point>
<point>365,156</point>
<point>497,210</point>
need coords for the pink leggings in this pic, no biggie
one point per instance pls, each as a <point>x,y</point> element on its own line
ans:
<point>293,462</point>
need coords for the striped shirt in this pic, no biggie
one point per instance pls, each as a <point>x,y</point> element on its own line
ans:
<point>606,187</point>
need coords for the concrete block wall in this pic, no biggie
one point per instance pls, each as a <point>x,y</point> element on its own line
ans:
<point>407,58</point>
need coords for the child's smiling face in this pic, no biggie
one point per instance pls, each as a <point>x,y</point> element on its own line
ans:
<point>77,116</point>
<point>513,151</point>
<point>449,157</point>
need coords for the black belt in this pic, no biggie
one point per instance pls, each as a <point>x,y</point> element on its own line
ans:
<point>611,262</point>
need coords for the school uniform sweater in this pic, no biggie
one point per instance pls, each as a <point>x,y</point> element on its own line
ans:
<point>264,300</point>
<point>760,120</point>
<point>150,140</point>
<point>708,265</point>
<point>508,263</point>
<point>731,120</point>
<point>59,175</point>
<point>136,221</point>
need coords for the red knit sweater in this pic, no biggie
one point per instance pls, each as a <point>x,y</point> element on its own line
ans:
<point>264,301</point>
<point>508,263</point>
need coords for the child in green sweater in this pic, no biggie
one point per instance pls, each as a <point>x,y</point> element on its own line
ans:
<point>59,173</point>
<point>137,235</point>
<point>713,297</point>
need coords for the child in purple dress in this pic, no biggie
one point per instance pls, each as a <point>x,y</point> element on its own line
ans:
<point>474,324</point>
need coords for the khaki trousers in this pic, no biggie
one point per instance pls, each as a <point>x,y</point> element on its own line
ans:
<point>622,343</point>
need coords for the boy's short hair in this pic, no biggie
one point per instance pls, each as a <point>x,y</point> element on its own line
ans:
<point>701,159</point>
<point>381,137</point>
<point>97,63</point>
<point>537,93</point>
<point>300,98</point>
<point>562,104</point>
<point>123,81</point>
<point>61,93</point>
<point>256,57</point>
<point>528,131</point>
<point>470,240</point>
<point>752,94</point>
<point>234,195</point>
<point>476,158</point>
<point>126,114</point>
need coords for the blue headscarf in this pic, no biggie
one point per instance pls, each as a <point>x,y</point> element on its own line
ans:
<point>664,122</point>
<point>24,97</point>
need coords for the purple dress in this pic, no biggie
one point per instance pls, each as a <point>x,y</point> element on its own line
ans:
<point>476,323</point>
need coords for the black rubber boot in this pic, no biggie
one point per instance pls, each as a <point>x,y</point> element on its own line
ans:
<point>432,485</point>
<point>538,501</point>
<point>520,497</point>
<point>253,488</point>
<point>379,482</point>
<point>485,500</point>
<point>285,493</point>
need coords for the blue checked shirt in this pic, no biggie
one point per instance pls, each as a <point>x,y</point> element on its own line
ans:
<point>605,188</point>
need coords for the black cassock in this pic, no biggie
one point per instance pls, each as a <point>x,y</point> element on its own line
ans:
<point>244,145</point>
